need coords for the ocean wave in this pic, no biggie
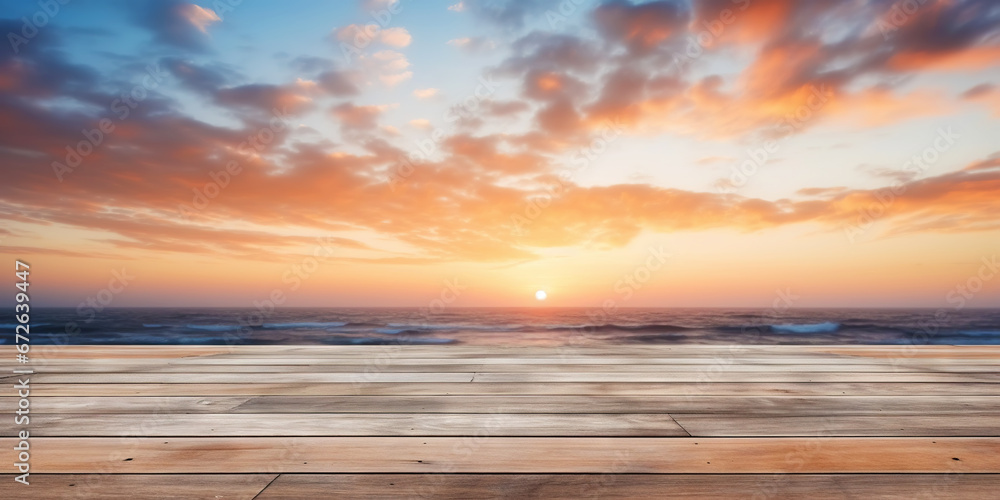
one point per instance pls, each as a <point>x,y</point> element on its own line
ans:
<point>376,341</point>
<point>306,324</point>
<point>826,327</point>
<point>391,331</point>
<point>611,327</point>
<point>443,327</point>
<point>980,333</point>
<point>213,328</point>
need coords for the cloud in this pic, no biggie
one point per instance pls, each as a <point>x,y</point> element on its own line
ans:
<point>421,124</point>
<point>834,49</point>
<point>395,37</point>
<point>507,14</point>
<point>266,98</point>
<point>642,27</point>
<point>175,23</point>
<point>199,17</point>
<point>710,160</point>
<point>984,94</point>
<point>457,7</point>
<point>333,80</point>
<point>457,204</point>
<point>425,93</point>
<point>200,78</point>
<point>388,66</point>
<point>358,117</point>
<point>338,83</point>
<point>392,37</point>
<point>374,5</point>
<point>256,100</point>
<point>395,78</point>
<point>456,208</point>
<point>473,44</point>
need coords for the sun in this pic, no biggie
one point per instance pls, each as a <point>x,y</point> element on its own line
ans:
<point>541,295</point>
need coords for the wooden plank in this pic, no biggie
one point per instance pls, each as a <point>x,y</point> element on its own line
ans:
<point>748,405</point>
<point>348,424</point>
<point>550,377</point>
<point>744,405</point>
<point>651,359</point>
<point>514,455</point>
<point>559,388</point>
<point>630,486</point>
<point>85,404</point>
<point>404,366</point>
<point>245,378</point>
<point>706,370</point>
<point>726,376</point>
<point>957,424</point>
<point>132,486</point>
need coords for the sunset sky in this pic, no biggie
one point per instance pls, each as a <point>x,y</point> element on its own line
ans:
<point>381,153</point>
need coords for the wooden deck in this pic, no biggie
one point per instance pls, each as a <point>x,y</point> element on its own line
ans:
<point>291,422</point>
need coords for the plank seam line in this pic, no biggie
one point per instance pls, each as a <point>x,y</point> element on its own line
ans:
<point>679,425</point>
<point>268,485</point>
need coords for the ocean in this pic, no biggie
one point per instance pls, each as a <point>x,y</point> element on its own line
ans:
<point>509,326</point>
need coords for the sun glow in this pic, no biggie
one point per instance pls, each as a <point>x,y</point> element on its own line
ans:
<point>541,295</point>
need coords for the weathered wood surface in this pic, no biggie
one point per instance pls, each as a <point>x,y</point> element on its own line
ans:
<point>693,403</point>
<point>820,454</point>
<point>629,486</point>
<point>527,389</point>
<point>133,486</point>
<point>952,486</point>
<point>679,421</point>
<point>355,424</point>
<point>693,378</point>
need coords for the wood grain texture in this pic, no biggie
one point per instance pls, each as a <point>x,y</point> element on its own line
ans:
<point>693,378</point>
<point>953,424</point>
<point>350,424</point>
<point>513,455</point>
<point>138,486</point>
<point>404,366</point>
<point>629,486</point>
<point>741,405</point>
<point>527,389</point>
<point>462,421</point>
